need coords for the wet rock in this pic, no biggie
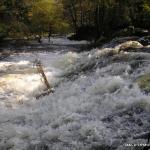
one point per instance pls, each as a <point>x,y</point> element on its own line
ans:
<point>135,64</point>
<point>144,82</point>
<point>108,119</point>
<point>143,50</point>
<point>129,45</point>
<point>119,40</point>
<point>145,40</point>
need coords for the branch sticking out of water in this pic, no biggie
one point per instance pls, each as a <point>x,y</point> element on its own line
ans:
<point>40,70</point>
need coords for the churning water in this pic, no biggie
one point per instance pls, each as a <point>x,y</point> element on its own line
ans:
<point>96,105</point>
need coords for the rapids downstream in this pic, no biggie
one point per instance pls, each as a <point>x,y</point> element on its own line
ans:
<point>97,104</point>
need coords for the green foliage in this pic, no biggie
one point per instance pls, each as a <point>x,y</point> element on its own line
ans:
<point>104,17</point>
<point>46,16</point>
<point>146,14</point>
<point>3,31</point>
<point>25,17</point>
<point>109,16</point>
<point>144,82</point>
<point>14,16</point>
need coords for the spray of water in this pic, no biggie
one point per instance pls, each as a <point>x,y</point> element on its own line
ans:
<point>99,105</point>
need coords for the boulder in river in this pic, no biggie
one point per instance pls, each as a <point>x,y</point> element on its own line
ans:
<point>130,45</point>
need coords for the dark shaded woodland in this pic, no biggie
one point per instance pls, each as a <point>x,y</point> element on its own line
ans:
<point>87,19</point>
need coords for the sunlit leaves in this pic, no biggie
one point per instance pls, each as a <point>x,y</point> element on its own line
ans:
<point>46,13</point>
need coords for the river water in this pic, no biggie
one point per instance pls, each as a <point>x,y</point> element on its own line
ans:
<point>97,105</point>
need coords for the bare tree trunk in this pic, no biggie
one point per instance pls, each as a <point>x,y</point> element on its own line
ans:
<point>81,13</point>
<point>99,17</point>
<point>73,13</point>
<point>49,32</point>
<point>49,89</point>
<point>41,71</point>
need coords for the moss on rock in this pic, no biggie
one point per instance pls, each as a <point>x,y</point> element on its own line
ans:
<point>144,82</point>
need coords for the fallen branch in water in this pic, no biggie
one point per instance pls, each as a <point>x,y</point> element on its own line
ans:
<point>44,93</point>
<point>40,70</point>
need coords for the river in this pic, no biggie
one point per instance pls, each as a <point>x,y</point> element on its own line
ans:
<point>97,105</point>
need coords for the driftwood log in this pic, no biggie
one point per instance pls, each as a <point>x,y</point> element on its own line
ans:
<point>40,70</point>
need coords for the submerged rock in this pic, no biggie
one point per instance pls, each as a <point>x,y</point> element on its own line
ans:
<point>144,82</point>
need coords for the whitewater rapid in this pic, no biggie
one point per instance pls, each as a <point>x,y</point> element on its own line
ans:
<point>96,104</point>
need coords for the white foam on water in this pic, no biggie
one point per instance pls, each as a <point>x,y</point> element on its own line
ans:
<point>71,117</point>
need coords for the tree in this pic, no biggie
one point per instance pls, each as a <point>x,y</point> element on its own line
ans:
<point>46,17</point>
<point>25,17</point>
<point>14,16</point>
<point>87,18</point>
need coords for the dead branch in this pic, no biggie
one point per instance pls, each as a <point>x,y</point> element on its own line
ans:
<point>40,70</point>
<point>44,93</point>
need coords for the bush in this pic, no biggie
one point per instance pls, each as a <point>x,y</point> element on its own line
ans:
<point>125,32</point>
<point>84,33</point>
<point>3,31</point>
